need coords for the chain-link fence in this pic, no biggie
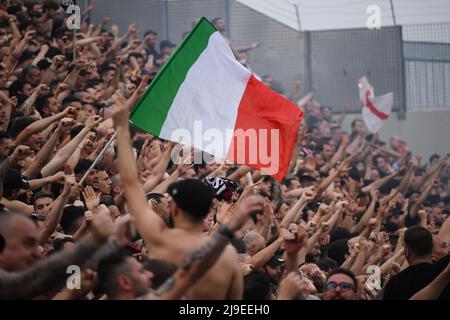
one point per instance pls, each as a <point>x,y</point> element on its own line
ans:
<point>426,50</point>
<point>413,62</point>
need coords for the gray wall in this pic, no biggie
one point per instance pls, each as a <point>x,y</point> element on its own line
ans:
<point>426,132</point>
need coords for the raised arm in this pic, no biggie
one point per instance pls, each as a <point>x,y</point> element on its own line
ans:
<point>264,255</point>
<point>54,216</point>
<point>148,223</point>
<point>65,152</point>
<point>19,153</point>
<point>293,212</point>
<point>40,125</point>
<point>423,196</point>
<point>158,171</point>
<point>46,151</point>
<point>28,106</point>
<point>380,182</point>
<point>363,222</point>
<point>7,107</point>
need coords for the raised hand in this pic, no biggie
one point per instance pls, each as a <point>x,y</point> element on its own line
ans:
<point>120,112</point>
<point>41,89</point>
<point>70,185</point>
<point>295,238</point>
<point>102,226</point>
<point>65,124</point>
<point>308,195</point>
<point>292,287</point>
<point>91,198</point>
<point>248,206</point>
<point>59,176</point>
<point>20,153</point>
<point>93,121</point>
<point>70,112</point>
<point>58,60</point>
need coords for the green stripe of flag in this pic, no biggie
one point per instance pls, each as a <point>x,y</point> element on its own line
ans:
<point>151,111</point>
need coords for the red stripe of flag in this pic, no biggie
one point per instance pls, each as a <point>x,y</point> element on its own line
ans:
<point>374,109</point>
<point>262,108</point>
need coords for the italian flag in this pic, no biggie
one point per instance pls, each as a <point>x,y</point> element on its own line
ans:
<point>204,91</point>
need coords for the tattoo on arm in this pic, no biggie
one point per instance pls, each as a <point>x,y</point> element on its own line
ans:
<point>45,276</point>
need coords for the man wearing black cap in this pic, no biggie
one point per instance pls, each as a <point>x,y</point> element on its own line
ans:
<point>274,268</point>
<point>191,203</point>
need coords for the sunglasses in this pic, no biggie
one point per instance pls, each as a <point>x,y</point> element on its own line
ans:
<point>343,285</point>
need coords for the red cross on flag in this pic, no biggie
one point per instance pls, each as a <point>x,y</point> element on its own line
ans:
<point>375,110</point>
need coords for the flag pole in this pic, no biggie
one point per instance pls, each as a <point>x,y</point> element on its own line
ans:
<point>99,157</point>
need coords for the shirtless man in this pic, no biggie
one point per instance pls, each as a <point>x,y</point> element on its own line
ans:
<point>191,202</point>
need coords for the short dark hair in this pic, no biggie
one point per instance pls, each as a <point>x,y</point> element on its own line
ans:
<point>50,5</point>
<point>108,270</point>
<point>76,130</point>
<point>43,194</point>
<point>419,240</point>
<point>337,250</point>
<point>347,273</point>
<point>82,166</point>
<point>326,264</point>
<point>19,124</point>
<point>434,157</point>
<point>161,269</point>
<point>28,69</point>
<point>59,243</point>
<point>156,196</point>
<point>150,32</point>
<point>340,233</point>
<point>69,100</point>
<point>69,217</point>
<point>42,102</point>
<point>4,135</point>
<point>256,286</point>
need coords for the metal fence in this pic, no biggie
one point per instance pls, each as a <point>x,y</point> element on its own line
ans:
<point>413,62</point>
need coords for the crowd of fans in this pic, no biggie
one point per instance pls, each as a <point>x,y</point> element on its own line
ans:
<point>355,217</point>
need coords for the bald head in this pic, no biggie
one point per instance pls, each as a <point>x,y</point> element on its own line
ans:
<point>10,221</point>
<point>254,242</point>
<point>440,248</point>
<point>20,235</point>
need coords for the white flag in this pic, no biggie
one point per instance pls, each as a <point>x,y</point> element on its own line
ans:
<point>375,110</point>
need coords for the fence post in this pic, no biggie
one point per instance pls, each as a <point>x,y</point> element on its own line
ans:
<point>227,18</point>
<point>307,60</point>
<point>164,23</point>
<point>401,115</point>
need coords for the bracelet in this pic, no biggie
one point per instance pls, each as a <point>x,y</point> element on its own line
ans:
<point>224,230</point>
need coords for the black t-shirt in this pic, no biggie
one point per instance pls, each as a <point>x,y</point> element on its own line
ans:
<point>405,284</point>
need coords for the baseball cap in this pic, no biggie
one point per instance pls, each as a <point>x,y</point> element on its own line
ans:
<point>306,178</point>
<point>275,261</point>
<point>192,196</point>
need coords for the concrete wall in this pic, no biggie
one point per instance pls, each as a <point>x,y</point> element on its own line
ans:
<point>426,132</point>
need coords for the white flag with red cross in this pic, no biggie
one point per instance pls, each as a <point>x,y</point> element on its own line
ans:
<point>375,110</point>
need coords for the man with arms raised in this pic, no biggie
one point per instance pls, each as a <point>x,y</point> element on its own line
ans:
<point>191,202</point>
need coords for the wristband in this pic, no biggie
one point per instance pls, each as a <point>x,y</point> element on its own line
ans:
<point>224,230</point>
